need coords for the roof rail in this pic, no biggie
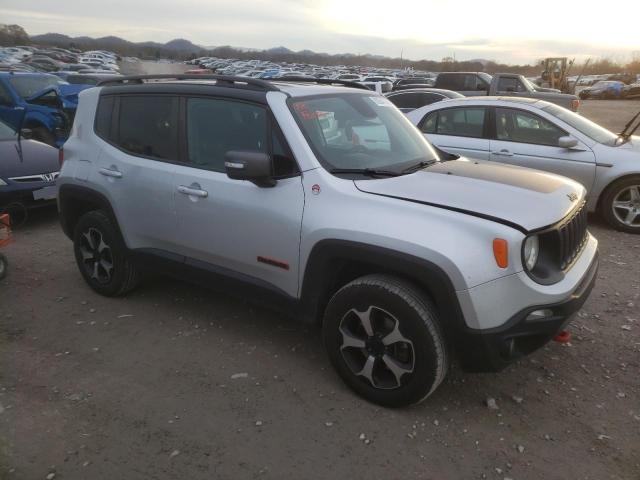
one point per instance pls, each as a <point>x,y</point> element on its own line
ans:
<point>227,80</point>
<point>321,81</point>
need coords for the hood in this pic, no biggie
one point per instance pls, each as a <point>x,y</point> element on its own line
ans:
<point>632,144</point>
<point>68,94</point>
<point>519,197</point>
<point>38,158</point>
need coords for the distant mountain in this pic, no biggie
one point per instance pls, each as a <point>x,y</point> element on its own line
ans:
<point>182,45</point>
<point>182,49</point>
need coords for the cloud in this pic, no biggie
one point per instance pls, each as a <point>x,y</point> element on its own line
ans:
<point>429,29</point>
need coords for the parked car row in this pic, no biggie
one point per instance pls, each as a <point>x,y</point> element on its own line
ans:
<point>39,87</point>
<point>53,59</point>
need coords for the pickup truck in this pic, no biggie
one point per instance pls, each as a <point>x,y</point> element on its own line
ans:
<point>504,85</point>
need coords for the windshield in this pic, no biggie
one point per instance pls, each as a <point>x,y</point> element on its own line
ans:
<point>29,86</point>
<point>587,127</point>
<point>358,131</point>
<point>6,132</point>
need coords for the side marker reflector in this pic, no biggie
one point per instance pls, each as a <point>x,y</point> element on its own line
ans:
<point>501,252</point>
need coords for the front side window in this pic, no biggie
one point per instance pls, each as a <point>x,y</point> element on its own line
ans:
<point>216,126</point>
<point>510,85</point>
<point>519,126</point>
<point>355,131</point>
<point>459,122</point>
<point>148,126</point>
<point>583,125</point>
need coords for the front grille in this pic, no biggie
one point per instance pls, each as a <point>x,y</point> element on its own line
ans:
<point>572,236</point>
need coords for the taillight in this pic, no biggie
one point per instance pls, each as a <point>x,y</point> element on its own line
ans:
<point>575,104</point>
<point>61,156</point>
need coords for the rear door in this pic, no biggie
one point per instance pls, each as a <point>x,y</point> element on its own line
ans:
<point>234,225</point>
<point>458,130</point>
<point>529,140</point>
<point>135,166</point>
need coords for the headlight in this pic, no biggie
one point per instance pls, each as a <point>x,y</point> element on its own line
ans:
<point>3,183</point>
<point>531,250</point>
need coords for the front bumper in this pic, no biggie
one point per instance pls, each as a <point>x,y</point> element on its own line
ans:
<point>493,349</point>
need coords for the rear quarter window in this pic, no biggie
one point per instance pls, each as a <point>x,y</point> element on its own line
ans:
<point>104,115</point>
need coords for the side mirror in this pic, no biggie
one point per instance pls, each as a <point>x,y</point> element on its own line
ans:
<point>26,133</point>
<point>482,87</point>
<point>252,166</point>
<point>567,142</point>
<point>511,89</point>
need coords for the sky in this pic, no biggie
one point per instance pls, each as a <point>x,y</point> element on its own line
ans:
<point>511,32</point>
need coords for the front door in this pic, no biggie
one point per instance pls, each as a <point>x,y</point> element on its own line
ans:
<point>233,224</point>
<point>526,139</point>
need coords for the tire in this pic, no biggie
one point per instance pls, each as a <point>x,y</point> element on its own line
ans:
<point>41,134</point>
<point>4,266</point>
<point>97,241</point>
<point>418,352</point>
<point>620,202</point>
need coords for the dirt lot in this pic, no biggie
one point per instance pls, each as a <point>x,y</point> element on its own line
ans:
<point>177,382</point>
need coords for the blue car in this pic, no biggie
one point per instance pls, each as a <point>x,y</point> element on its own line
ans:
<point>43,103</point>
<point>604,89</point>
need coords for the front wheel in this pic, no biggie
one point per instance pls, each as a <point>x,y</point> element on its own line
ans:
<point>383,337</point>
<point>621,205</point>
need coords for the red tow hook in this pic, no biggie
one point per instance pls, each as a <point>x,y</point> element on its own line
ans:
<point>562,337</point>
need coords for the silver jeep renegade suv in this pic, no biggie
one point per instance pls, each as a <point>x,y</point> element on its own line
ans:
<point>326,202</point>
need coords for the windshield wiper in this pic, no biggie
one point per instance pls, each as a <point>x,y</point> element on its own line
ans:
<point>419,166</point>
<point>626,133</point>
<point>372,172</point>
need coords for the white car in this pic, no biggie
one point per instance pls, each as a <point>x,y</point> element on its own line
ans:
<point>537,134</point>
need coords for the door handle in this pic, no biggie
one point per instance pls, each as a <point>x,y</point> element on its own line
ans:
<point>194,192</point>
<point>503,153</point>
<point>107,172</point>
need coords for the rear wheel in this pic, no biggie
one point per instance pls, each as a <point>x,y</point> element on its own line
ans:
<point>621,205</point>
<point>383,338</point>
<point>4,265</point>
<point>102,256</point>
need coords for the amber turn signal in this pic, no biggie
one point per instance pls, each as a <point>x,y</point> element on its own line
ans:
<point>501,252</point>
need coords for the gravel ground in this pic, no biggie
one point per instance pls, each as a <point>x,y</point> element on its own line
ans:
<point>178,382</point>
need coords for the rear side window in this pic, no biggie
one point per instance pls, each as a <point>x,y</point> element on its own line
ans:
<point>148,126</point>
<point>104,115</point>
<point>460,122</point>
